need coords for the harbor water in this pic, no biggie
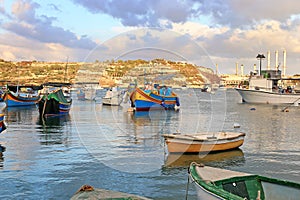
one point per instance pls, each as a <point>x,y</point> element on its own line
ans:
<point>110,148</point>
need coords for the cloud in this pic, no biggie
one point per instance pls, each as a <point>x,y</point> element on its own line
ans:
<point>15,47</point>
<point>141,12</point>
<point>54,7</point>
<point>40,28</point>
<point>232,13</point>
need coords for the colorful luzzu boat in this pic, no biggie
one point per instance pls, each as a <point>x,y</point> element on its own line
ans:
<point>22,96</point>
<point>2,124</point>
<point>145,100</point>
<point>54,103</point>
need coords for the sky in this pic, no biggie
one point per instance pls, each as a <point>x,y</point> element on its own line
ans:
<point>209,33</point>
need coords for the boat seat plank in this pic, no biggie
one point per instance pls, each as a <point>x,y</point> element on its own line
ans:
<point>216,174</point>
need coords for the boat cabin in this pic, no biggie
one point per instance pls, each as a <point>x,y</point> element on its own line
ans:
<point>267,81</point>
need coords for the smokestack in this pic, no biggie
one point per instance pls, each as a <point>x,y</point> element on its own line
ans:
<point>242,69</point>
<point>269,60</point>
<point>254,67</point>
<point>237,68</point>
<point>276,59</point>
<point>217,69</point>
<point>284,62</point>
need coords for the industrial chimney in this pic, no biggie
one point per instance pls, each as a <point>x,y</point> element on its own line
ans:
<point>237,68</point>
<point>269,60</point>
<point>242,70</point>
<point>276,60</point>
<point>284,63</point>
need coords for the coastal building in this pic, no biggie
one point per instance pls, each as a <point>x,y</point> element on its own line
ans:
<point>232,80</point>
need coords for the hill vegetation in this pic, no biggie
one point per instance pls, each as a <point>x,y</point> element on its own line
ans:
<point>106,73</point>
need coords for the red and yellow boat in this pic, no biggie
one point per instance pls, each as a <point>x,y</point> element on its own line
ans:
<point>142,100</point>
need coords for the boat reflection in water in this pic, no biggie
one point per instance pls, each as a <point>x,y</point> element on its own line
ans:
<point>54,122</point>
<point>154,116</point>
<point>224,158</point>
<point>54,130</point>
<point>2,149</point>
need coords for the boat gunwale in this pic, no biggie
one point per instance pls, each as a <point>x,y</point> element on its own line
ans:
<point>8,95</point>
<point>268,92</point>
<point>193,138</point>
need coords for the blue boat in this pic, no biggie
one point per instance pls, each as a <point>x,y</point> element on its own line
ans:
<point>21,95</point>
<point>144,100</point>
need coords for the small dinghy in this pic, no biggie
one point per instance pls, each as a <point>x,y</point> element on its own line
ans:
<point>203,142</point>
<point>215,183</point>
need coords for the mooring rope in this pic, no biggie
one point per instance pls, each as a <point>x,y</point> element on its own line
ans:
<point>187,185</point>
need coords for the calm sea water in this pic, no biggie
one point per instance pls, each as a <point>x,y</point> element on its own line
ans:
<point>108,147</point>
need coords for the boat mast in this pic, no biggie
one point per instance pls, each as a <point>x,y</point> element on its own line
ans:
<point>66,70</point>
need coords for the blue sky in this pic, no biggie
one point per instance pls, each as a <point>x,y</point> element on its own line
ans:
<point>203,32</point>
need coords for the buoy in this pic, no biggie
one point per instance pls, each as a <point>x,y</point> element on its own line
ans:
<point>236,125</point>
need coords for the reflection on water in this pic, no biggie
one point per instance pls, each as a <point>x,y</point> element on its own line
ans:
<point>2,149</point>
<point>54,130</point>
<point>21,114</point>
<point>218,159</point>
<point>53,122</point>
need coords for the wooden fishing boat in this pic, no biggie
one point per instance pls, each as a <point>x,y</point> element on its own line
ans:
<point>203,142</point>
<point>49,87</point>
<point>21,95</point>
<point>144,100</point>
<point>113,97</point>
<point>215,183</point>
<point>2,123</point>
<point>54,103</point>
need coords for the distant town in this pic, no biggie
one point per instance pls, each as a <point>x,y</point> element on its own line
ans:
<point>111,73</point>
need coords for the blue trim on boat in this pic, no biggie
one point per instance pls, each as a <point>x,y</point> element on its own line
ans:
<point>11,103</point>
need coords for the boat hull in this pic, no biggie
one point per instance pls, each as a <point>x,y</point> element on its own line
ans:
<point>54,104</point>
<point>216,183</point>
<point>186,144</point>
<point>204,194</point>
<point>143,101</point>
<point>115,101</point>
<point>2,124</point>
<point>13,100</point>
<point>265,97</point>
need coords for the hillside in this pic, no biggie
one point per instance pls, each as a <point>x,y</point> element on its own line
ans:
<point>106,73</point>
